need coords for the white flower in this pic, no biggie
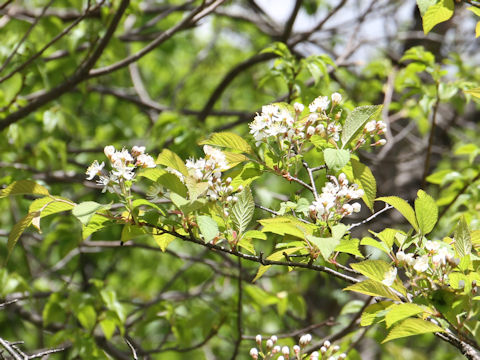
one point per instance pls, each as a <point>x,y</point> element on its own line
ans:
<point>421,264</point>
<point>298,107</point>
<point>109,151</point>
<point>311,130</point>
<point>336,98</point>
<point>390,276</point>
<point>433,246</point>
<point>94,169</point>
<point>296,349</point>
<point>269,343</point>
<point>276,349</point>
<point>286,351</point>
<point>319,104</point>
<point>371,126</point>
<point>356,207</point>
<point>314,355</point>
<point>273,338</point>
<point>381,126</point>
<point>145,161</point>
<point>122,170</point>
<point>381,142</point>
<point>138,150</point>
<point>400,256</point>
<point>254,353</point>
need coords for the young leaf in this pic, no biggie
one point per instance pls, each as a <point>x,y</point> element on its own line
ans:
<point>364,178</point>
<point>208,227</point>
<point>85,210</point>
<point>437,14</point>
<point>18,230</point>
<point>349,246</point>
<point>356,120</point>
<point>242,211</point>
<point>276,256</point>
<point>376,244</point>
<point>399,312</point>
<point>51,205</point>
<point>97,222</point>
<point>130,232</point>
<point>172,160</point>
<point>336,159</point>
<point>228,140</point>
<point>325,245</point>
<point>403,207</point>
<point>373,269</point>
<point>463,243</point>
<point>375,313</point>
<point>283,225</point>
<point>411,327</point>
<point>474,92</point>
<point>426,212</point>
<point>23,187</point>
<point>373,288</point>
<point>163,240</point>
<point>172,183</point>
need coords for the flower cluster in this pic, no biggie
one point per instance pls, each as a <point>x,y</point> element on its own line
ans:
<point>439,255</point>
<point>285,353</point>
<point>123,164</point>
<point>288,129</point>
<point>333,202</point>
<point>371,133</point>
<point>209,169</point>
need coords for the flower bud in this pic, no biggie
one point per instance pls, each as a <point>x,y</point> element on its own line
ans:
<point>254,353</point>
<point>327,344</point>
<point>276,349</point>
<point>336,98</point>
<point>305,339</point>
<point>323,349</point>
<point>273,338</point>
<point>258,339</point>
<point>269,344</point>
<point>286,351</point>
<point>109,151</point>
<point>335,348</point>
<point>342,356</point>
<point>240,188</point>
<point>314,355</point>
<point>298,107</point>
<point>296,349</point>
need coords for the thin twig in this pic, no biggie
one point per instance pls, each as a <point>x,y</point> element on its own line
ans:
<point>430,138</point>
<point>370,218</point>
<point>239,311</point>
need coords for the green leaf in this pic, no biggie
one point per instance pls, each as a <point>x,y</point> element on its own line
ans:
<point>172,160</point>
<point>373,288</point>
<point>283,225</point>
<point>23,187</point>
<point>163,240</point>
<point>242,211</point>
<point>208,227</point>
<point>195,189</point>
<point>376,244</point>
<point>475,10</point>
<point>463,243</point>
<point>108,327</point>
<point>152,173</point>
<point>130,232</point>
<point>423,5</point>
<point>437,14</point>
<point>398,312</point>
<point>97,222</point>
<point>387,236</point>
<point>474,92</point>
<point>51,205</point>
<point>87,317</point>
<point>373,269</point>
<point>349,246</point>
<point>364,178</point>
<point>172,183</point>
<point>18,230</point>
<point>11,87</point>
<point>356,120</point>
<point>325,245</point>
<point>85,210</point>
<point>110,300</point>
<point>426,212</point>
<point>403,207</point>
<point>375,313</point>
<point>411,327</point>
<point>255,234</point>
<point>336,159</point>
<point>228,140</point>
<point>187,206</point>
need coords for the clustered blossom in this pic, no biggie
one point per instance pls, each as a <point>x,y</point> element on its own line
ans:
<point>123,163</point>
<point>279,124</point>
<point>370,131</point>
<point>272,350</point>
<point>333,202</point>
<point>209,169</point>
<point>438,255</point>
